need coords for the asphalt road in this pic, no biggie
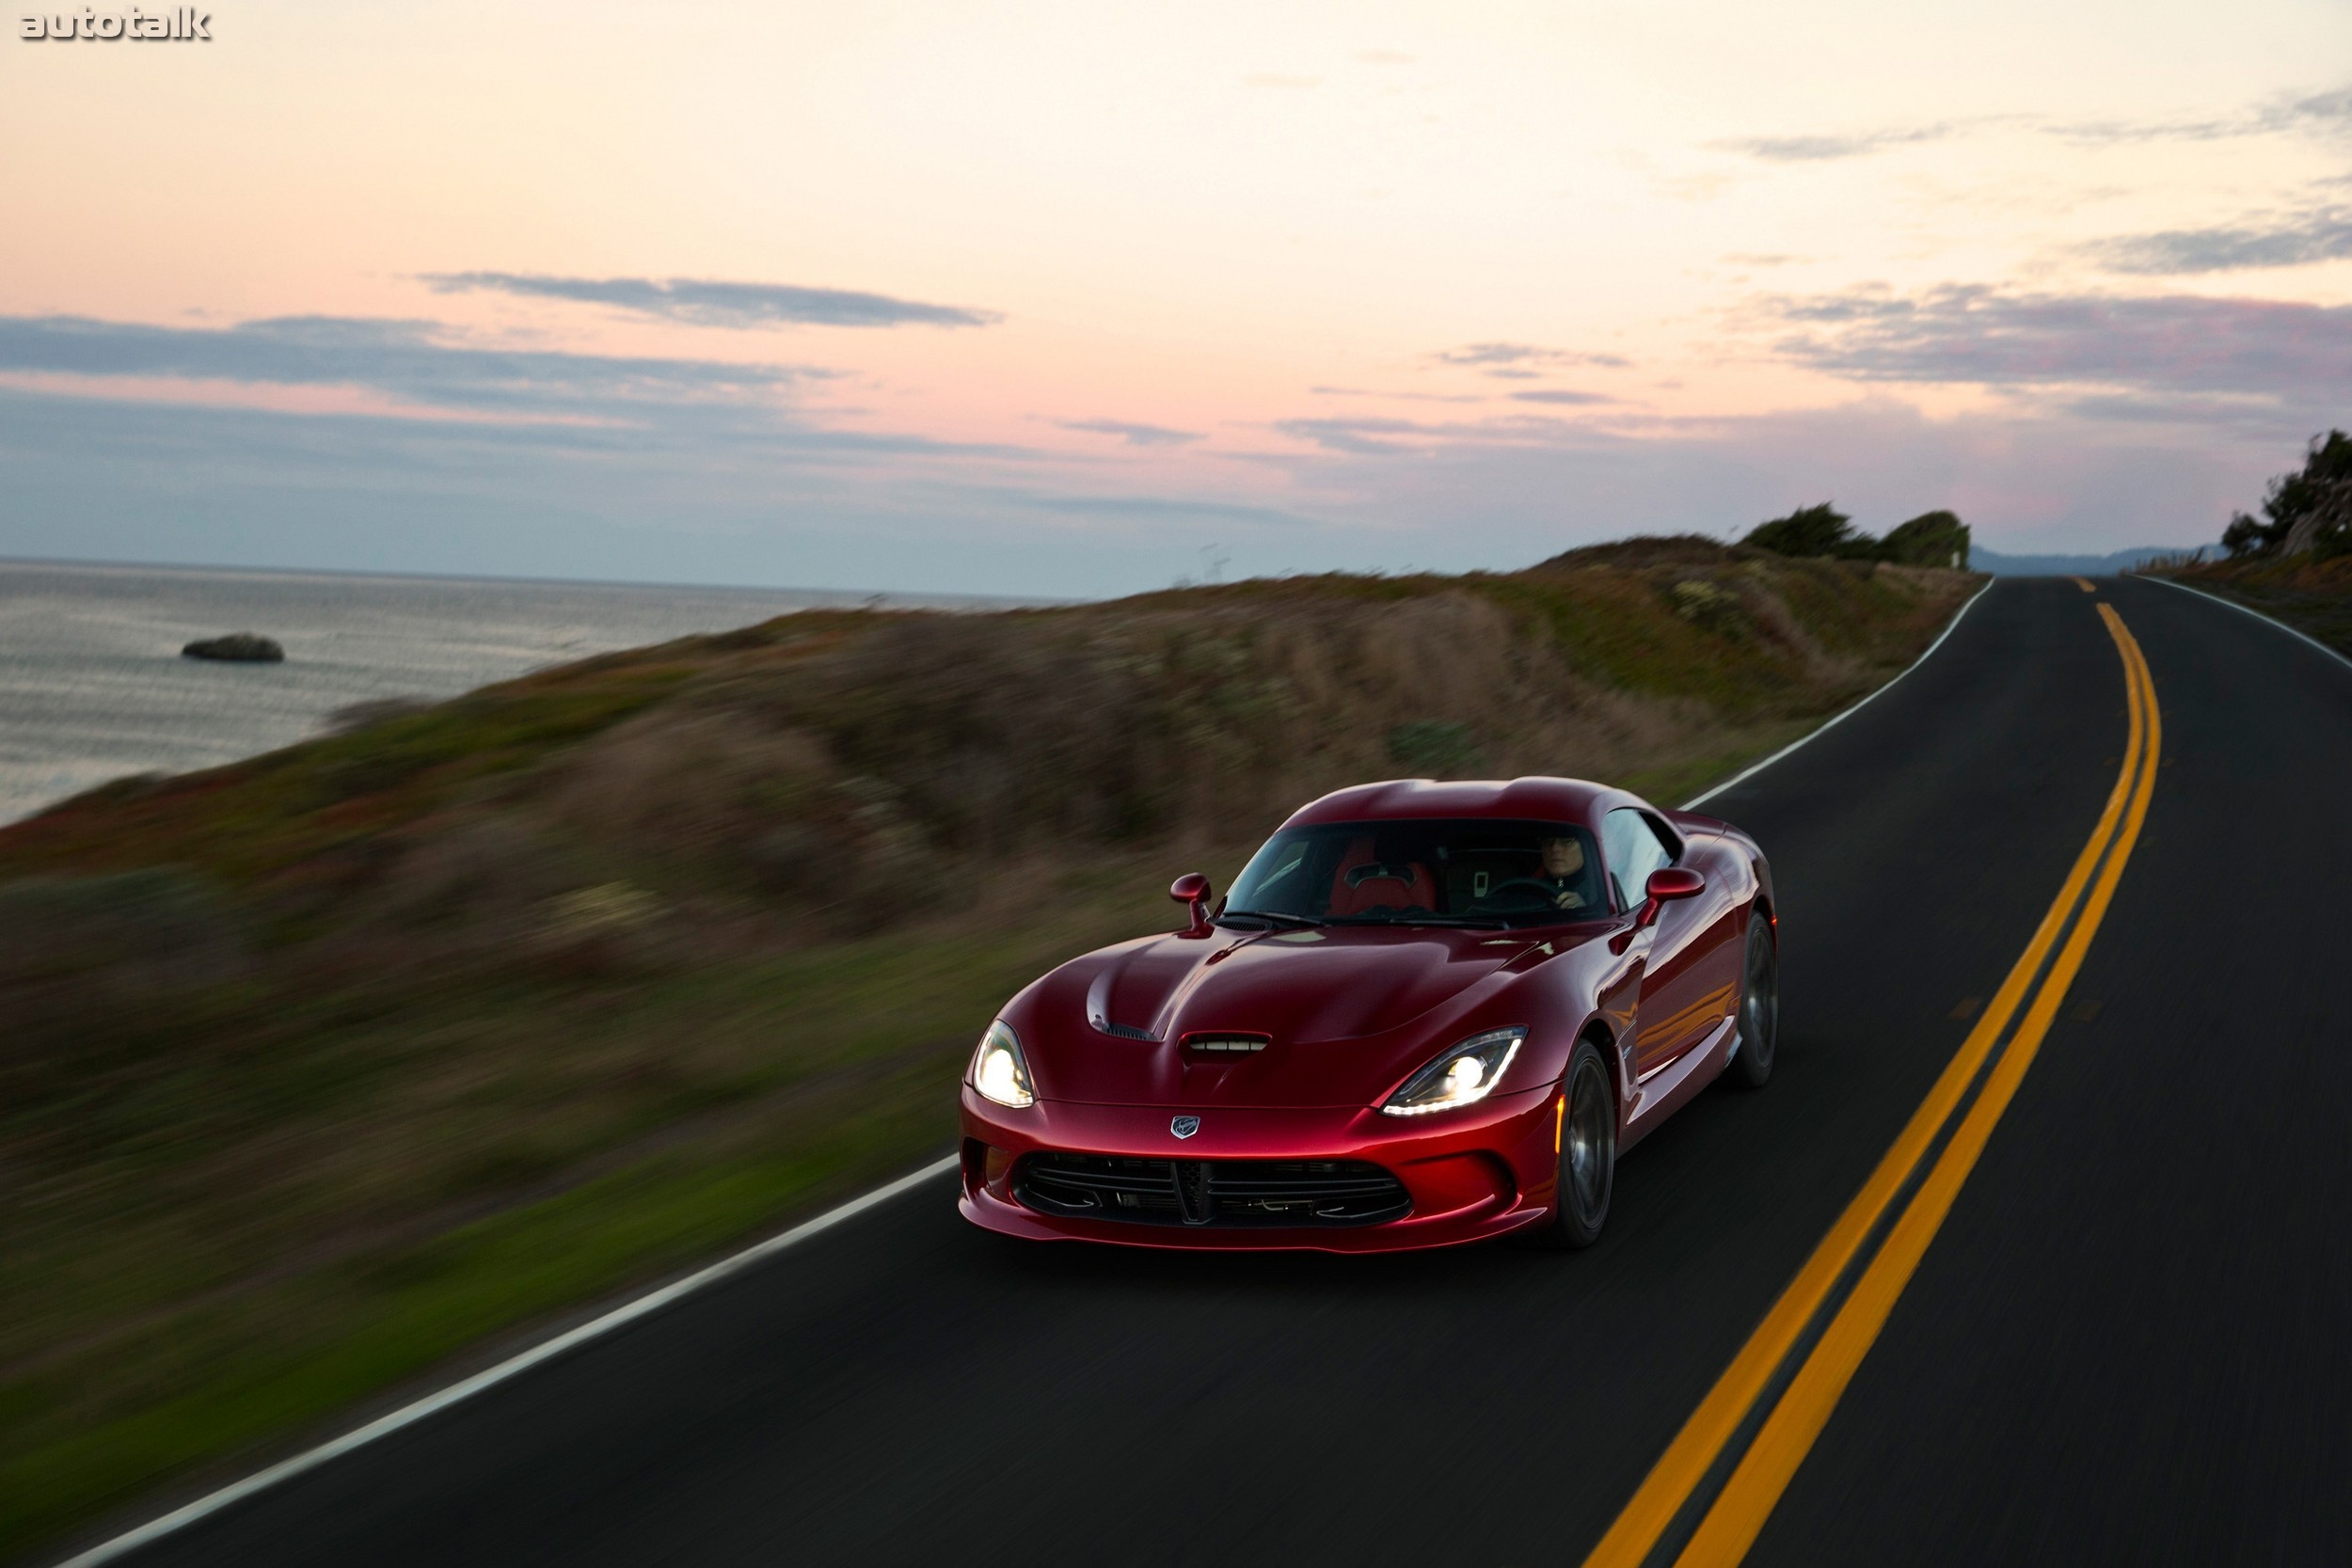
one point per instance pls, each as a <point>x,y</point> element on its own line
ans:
<point>2131,1341</point>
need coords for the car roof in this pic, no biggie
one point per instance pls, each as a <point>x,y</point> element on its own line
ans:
<point>1537,800</point>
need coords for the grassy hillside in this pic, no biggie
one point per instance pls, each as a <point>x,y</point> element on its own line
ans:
<point>2312,593</point>
<point>319,1069</point>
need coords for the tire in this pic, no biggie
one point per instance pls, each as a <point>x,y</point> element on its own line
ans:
<point>1588,1152</point>
<point>1759,1008</point>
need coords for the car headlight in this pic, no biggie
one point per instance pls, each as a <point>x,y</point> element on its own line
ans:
<point>1463,1076</point>
<point>999,1071</point>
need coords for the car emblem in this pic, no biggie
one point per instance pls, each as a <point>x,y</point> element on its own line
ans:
<point>1185,1127</point>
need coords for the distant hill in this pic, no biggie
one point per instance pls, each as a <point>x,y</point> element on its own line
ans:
<point>1982,559</point>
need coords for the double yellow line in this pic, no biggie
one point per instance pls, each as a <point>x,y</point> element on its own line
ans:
<point>1709,1494</point>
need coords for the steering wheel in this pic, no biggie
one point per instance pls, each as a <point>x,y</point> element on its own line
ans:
<point>1536,885</point>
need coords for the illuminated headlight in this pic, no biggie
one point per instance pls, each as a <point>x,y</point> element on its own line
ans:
<point>999,1071</point>
<point>1463,1076</point>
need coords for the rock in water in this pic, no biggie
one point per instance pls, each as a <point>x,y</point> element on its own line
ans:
<point>241,647</point>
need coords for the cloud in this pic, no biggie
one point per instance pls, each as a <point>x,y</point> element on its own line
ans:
<point>1282,81</point>
<point>702,302</point>
<point>2039,480</point>
<point>2326,114</point>
<point>1389,437</point>
<point>2252,417</point>
<point>406,360</point>
<point>171,481</point>
<point>1406,397</point>
<point>2324,235</point>
<point>1763,258</point>
<point>1134,435</point>
<point>1560,394</point>
<point>1490,354</point>
<point>1149,509</point>
<point>125,480</point>
<point>1827,148</point>
<point>1365,437</point>
<point>1383,56</point>
<point>2162,348</point>
<point>1521,355</point>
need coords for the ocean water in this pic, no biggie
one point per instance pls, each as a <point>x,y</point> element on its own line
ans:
<point>93,686</point>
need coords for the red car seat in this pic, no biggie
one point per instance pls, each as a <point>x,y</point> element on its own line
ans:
<point>1363,883</point>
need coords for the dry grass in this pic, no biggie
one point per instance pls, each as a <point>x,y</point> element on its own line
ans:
<point>318,1068</point>
<point>2313,595</point>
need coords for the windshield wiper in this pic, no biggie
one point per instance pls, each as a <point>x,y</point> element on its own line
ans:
<point>1298,921</point>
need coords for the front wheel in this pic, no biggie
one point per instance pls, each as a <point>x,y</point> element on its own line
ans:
<point>1759,1007</point>
<point>1588,1152</point>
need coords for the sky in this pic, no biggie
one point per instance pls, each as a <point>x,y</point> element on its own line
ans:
<point>1080,299</point>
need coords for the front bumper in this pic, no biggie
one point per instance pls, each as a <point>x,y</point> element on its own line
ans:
<point>1478,1172</point>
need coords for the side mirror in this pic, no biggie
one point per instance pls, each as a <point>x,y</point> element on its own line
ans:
<point>1193,889</point>
<point>1666,883</point>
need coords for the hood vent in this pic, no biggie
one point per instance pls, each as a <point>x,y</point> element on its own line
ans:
<point>1123,1032</point>
<point>1227,1045</point>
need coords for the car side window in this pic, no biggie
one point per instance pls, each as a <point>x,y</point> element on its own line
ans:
<point>1632,849</point>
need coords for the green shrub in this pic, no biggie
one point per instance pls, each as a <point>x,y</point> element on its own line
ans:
<point>1931,539</point>
<point>1808,531</point>
<point>2309,509</point>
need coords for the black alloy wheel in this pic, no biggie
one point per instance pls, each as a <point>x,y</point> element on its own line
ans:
<point>1759,1007</point>
<point>1588,1152</point>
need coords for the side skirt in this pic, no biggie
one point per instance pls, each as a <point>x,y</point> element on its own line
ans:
<point>1681,1078</point>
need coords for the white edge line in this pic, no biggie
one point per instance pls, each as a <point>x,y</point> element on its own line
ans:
<point>653,1301</point>
<point>1819,730</point>
<point>2271,621</point>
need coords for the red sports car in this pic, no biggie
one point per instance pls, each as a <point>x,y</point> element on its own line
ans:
<point>1427,1013</point>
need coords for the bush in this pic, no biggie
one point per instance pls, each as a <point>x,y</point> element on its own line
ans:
<point>1808,531</point>
<point>1931,539</point>
<point>1705,604</point>
<point>2309,509</point>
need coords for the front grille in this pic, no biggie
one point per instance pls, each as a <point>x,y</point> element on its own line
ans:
<point>1211,1192</point>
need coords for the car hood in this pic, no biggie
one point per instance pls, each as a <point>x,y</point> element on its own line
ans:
<point>1345,1012</point>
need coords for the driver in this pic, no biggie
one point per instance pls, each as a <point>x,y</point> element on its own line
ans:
<point>1564,870</point>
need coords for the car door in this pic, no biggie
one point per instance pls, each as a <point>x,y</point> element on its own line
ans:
<point>1681,998</point>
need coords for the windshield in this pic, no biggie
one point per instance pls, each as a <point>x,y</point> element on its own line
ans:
<point>1434,872</point>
